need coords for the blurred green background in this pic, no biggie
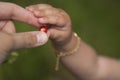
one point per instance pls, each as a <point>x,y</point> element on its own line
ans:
<point>96,21</point>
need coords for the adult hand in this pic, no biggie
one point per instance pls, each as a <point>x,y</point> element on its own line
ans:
<point>15,12</point>
<point>9,40</point>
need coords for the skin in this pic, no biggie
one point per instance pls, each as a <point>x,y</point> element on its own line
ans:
<point>85,64</point>
<point>9,39</point>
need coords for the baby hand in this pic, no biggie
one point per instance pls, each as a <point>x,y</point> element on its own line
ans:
<point>58,20</point>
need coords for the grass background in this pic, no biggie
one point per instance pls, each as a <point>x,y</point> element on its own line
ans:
<point>96,21</point>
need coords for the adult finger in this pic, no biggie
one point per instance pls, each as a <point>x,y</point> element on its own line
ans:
<point>13,11</point>
<point>6,44</point>
<point>9,27</point>
<point>2,24</point>
<point>29,39</point>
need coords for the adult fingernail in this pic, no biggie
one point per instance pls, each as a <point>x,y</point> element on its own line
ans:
<point>42,38</point>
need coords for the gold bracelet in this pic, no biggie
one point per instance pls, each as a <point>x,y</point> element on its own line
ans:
<point>67,53</point>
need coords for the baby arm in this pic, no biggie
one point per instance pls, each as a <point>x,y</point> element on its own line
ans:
<point>84,63</point>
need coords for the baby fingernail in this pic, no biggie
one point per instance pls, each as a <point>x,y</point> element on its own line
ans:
<point>29,8</point>
<point>36,12</point>
<point>41,19</point>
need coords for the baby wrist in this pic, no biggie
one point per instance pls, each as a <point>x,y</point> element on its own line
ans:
<point>70,49</point>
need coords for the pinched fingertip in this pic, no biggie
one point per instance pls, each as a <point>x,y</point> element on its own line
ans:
<point>42,38</point>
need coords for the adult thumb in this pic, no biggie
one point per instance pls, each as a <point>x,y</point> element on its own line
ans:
<point>29,39</point>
